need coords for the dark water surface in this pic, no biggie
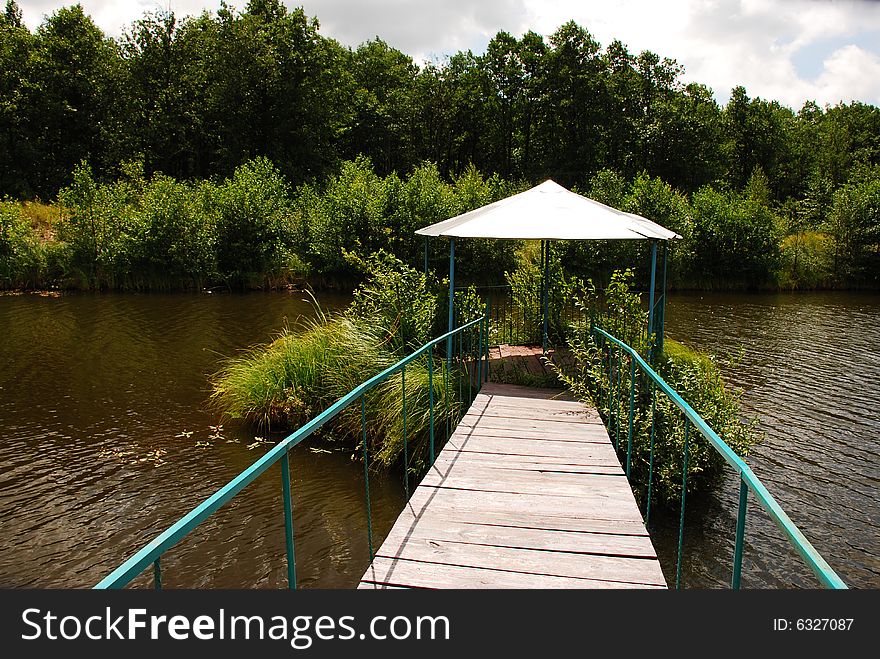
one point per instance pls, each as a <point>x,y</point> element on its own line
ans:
<point>809,366</point>
<point>98,395</point>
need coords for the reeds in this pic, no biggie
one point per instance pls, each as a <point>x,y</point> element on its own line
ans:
<point>298,375</point>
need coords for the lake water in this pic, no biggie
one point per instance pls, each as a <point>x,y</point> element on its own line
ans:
<point>105,440</point>
<point>809,368</point>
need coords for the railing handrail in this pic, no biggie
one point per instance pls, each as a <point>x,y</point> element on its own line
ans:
<point>824,572</point>
<point>153,550</point>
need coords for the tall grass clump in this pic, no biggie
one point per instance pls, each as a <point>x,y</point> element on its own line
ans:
<point>298,375</point>
<point>695,376</point>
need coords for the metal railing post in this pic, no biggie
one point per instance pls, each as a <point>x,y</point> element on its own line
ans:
<point>684,480</point>
<point>367,477</point>
<point>288,521</point>
<point>405,443</point>
<point>431,407</point>
<point>651,453</point>
<point>632,401</point>
<point>740,534</point>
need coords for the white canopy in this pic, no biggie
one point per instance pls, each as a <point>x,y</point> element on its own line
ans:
<point>549,212</point>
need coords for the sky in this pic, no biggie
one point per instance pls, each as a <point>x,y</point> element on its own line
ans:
<point>792,51</point>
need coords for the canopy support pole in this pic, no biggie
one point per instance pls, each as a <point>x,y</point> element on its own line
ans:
<point>651,300</point>
<point>426,256</point>
<point>451,299</point>
<point>661,320</point>
<point>545,249</point>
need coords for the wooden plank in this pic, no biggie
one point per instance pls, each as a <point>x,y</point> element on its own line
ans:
<point>554,521</point>
<point>440,527</point>
<point>515,409</point>
<point>590,459</point>
<point>525,446</point>
<point>526,429</point>
<point>528,482</point>
<point>598,505</point>
<point>530,561</point>
<point>563,407</point>
<point>474,425</point>
<point>486,460</point>
<point>516,391</point>
<point>417,574</point>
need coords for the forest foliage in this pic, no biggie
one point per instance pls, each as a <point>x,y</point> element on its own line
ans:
<point>242,146</point>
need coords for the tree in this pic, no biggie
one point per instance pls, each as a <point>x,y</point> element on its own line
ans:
<point>573,135</point>
<point>70,96</point>
<point>383,114</point>
<point>16,155</point>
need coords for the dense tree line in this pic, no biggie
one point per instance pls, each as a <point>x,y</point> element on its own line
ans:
<point>198,97</point>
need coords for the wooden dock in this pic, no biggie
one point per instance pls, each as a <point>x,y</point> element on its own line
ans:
<point>527,493</point>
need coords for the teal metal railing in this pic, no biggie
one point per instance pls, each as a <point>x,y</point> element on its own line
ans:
<point>619,358</point>
<point>464,369</point>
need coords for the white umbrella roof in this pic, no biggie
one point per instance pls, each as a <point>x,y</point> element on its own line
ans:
<point>549,212</point>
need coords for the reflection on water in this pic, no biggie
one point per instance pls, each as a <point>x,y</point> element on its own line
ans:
<point>809,365</point>
<point>102,445</point>
<point>99,395</point>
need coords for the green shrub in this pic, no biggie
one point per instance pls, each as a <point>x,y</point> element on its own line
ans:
<point>854,224</point>
<point>23,257</point>
<point>806,261</point>
<point>729,241</point>
<point>526,300</point>
<point>397,300</point>
<point>255,224</point>
<point>694,376</point>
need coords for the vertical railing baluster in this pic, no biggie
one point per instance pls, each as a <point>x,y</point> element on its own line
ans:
<point>480,360</point>
<point>288,522</point>
<point>617,402</point>
<point>740,533</point>
<point>446,406</point>
<point>470,363</point>
<point>651,452</point>
<point>610,370</point>
<point>157,574</point>
<point>486,348</point>
<point>461,363</point>
<point>632,401</point>
<point>488,316</point>
<point>367,476</point>
<point>684,476</point>
<point>430,408</point>
<point>405,443</point>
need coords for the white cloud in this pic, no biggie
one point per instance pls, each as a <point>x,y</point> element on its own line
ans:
<point>851,72</point>
<point>721,43</point>
<point>421,29</point>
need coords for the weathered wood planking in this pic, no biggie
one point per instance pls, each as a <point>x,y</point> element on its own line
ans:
<point>527,493</point>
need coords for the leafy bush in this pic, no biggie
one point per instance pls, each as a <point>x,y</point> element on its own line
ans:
<point>254,231</point>
<point>22,255</point>
<point>599,375</point>
<point>731,241</point>
<point>854,223</point>
<point>806,261</point>
<point>396,300</point>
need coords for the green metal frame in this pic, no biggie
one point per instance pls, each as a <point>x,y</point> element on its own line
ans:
<point>749,482</point>
<point>470,361</point>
